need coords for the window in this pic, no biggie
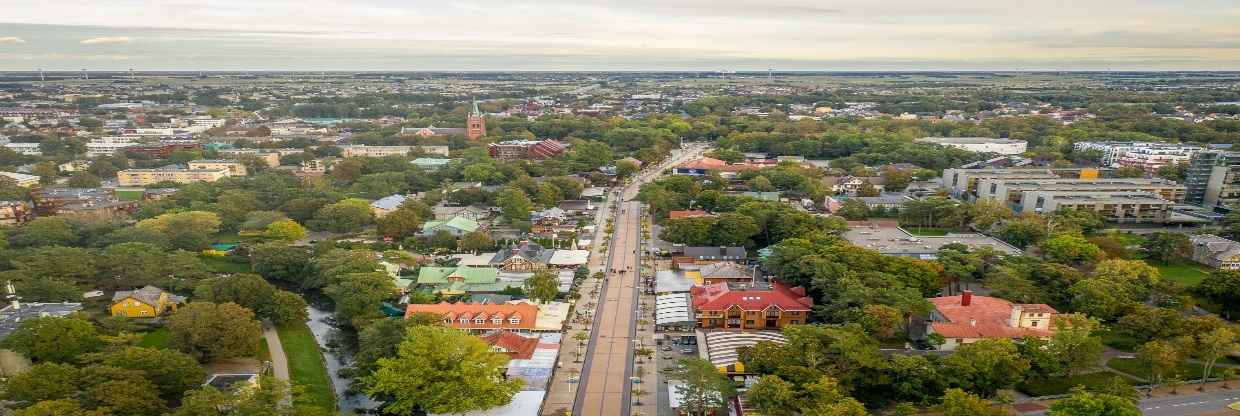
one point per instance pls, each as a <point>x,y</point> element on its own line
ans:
<point>497,320</point>
<point>464,320</point>
<point>479,321</point>
<point>1034,324</point>
<point>514,320</point>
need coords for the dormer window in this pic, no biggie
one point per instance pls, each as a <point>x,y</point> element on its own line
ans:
<point>514,319</point>
<point>479,321</point>
<point>497,321</point>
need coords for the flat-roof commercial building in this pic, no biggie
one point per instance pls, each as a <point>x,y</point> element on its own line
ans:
<point>980,144</point>
<point>1125,207</point>
<point>233,167</point>
<point>144,177</point>
<point>1140,154</point>
<point>887,238</point>
<point>1011,191</point>
<point>962,183</point>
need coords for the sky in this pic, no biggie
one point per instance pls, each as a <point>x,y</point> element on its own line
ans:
<point>619,35</point>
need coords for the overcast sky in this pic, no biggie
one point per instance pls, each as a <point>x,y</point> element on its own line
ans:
<point>619,35</point>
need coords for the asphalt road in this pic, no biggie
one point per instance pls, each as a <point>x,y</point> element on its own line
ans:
<point>1189,403</point>
<point>604,386</point>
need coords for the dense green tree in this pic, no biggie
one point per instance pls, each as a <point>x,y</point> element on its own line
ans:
<point>957,402</point>
<point>515,204</point>
<point>44,381</point>
<point>544,286</point>
<point>281,262</point>
<point>702,389</point>
<point>210,331</point>
<point>54,339</point>
<point>349,215</point>
<point>442,370</point>
<point>172,372</point>
<point>1162,358</point>
<point>46,231</point>
<point>191,230</point>
<point>986,366</point>
<point>1084,403</point>
<point>285,230</point>
<point>401,223</point>
<point>772,396</point>
<point>1223,288</point>
<point>1075,344</point>
<point>1070,249</point>
<point>1167,247</point>
<point>357,296</point>
<point>252,292</point>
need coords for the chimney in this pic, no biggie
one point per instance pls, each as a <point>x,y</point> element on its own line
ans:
<point>966,298</point>
<point>1014,320</point>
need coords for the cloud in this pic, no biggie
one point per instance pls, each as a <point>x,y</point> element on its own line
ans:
<point>107,40</point>
<point>11,40</point>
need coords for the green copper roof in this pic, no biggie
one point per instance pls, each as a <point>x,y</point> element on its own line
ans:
<point>457,222</point>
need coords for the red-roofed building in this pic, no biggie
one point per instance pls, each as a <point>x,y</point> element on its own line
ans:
<point>481,317</point>
<point>720,307</point>
<point>517,347</point>
<point>968,318</point>
<point>696,213</point>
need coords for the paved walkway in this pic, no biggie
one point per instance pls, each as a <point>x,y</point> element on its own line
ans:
<point>279,361</point>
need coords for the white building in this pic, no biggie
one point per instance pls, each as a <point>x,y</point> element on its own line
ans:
<point>20,179</point>
<point>108,145</point>
<point>28,149</point>
<point>1139,154</point>
<point>980,144</point>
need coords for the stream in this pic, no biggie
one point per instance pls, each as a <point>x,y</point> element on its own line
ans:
<point>321,328</point>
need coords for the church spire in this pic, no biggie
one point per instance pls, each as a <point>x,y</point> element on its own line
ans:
<point>475,111</point>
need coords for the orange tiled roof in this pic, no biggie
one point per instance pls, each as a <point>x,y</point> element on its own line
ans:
<point>452,313</point>
<point>719,296</point>
<point>518,347</point>
<point>984,317</point>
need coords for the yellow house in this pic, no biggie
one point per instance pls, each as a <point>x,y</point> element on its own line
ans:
<point>146,302</point>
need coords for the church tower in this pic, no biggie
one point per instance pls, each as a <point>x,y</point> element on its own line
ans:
<point>475,124</point>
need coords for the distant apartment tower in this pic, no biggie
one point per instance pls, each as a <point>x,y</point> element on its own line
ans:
<point>1148,156</point>
<point>1213,179</point>
<point>475,124</point>
<point>144,177</point>
<point>979,144</point>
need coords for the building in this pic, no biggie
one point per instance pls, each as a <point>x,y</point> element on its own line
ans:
<point>271,158</point>
<point>1215,251</point>
<point>979,144</point>
<point>1125,207</point>
<point>28,149</point>
<point>460,280</point>
<point>80,203</point>
<point>723,272</point>
<point>526,149</point>
<point>359,150</point>
<point>525,256</point>
<point>1011,191</point>
<point>852,185</point>
<point>674,312</point>
<point>1113,153</point>
<point>147,302</point>
<point>887,238</point>
<point>387,204</point>
<point>475,124</point>
<point>513,316</point>
<point>516,347</point>
<point>718,306</point>
<point>14,213</point>
<point>963,183</point>
<point>698,256</point>
<point>456,226</point>
<point>19,179</point>
<point>172,173</point>
<point>482,317</point>
<point>164,149</point>
<point>233,167</point>
<point>430,163</point>
<point>887,201</point>
<point>965,319</point>
<point>1213,179</point>
<point>16,312</point>
<point>431,131</point>
<point>108,145</point>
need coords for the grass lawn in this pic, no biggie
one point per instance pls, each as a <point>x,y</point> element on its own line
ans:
<point>1119,341</point>
<point>1062,385</point>
<point>129,195</point>
<point>926,231</point>
<point>1186,274</point>
<point>1187,371</point>
<point>306,367</point>
<point>156,339</point>
<point>224,265</point>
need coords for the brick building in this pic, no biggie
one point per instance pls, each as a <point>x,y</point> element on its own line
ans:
<point>718,306</point>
